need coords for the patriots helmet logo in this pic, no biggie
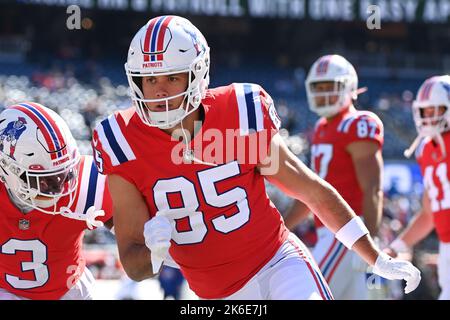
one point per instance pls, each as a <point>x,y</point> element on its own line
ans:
<point>11,133</point>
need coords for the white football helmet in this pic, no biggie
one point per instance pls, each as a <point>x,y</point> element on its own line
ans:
<point>433,93</point>
<point>39,158</point>
<point>332,68</point>
<point>168,45</point>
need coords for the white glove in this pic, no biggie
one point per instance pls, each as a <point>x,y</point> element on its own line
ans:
<point>157,234</point>
<point>395,269</point>
<point>89,217</point>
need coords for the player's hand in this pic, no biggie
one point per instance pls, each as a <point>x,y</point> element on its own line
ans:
<point>394,269</point>
<point>157,234</point>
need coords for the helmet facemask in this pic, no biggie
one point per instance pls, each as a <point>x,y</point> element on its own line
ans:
<point>49,185</point>
<point>342,89</point>
<point>431,112</point>
<point>432,125</point>
<point>198,80</point>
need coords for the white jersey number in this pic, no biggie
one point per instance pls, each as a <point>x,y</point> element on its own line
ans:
<point>433,190</point>
<point>325,153</point>
<point>208,179</point>
<point>366,129</point>
<point>37,265</point>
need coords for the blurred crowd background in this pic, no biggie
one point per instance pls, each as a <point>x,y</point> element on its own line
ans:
<point>79,73</point>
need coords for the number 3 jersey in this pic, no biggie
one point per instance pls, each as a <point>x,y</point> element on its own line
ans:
<point>435,171</point>
<point>40,254</point>
<point>225,227</point>
<point>330,158</point>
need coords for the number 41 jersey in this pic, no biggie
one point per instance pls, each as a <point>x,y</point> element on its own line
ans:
<point>330,158</point>
<point>225,227</point>
<point>435,171</point>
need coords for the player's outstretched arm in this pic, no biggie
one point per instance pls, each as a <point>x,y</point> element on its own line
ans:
<point>298,181</point>
<point>130,215</point>
<point>295,179</point>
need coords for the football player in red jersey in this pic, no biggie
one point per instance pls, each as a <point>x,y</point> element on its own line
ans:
<point>431,111</point>
<point>50,195</point>
<point>201,201</point>
<point>346,152</point>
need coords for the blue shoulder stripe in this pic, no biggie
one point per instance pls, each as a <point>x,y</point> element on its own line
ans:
<point>113,142</point>
<point>92,189</point>
<point>251,115</point>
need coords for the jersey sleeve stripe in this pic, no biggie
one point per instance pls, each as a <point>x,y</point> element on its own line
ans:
<point>348,124</point>
<point>105,144</point>
<point>113,142</point>
<point>242,106</point>
<point>250,106</point>
<point>248,98</point>
<point>91,191</point>
<point>83,187</point>
<point>124,146</point>
<point>258,108</point>
<point>100,191</point>
<point>341,125</point>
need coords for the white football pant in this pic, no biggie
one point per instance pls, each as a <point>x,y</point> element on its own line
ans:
<point>443,268</point>
<point>292,274</point>
<point>343,269</point>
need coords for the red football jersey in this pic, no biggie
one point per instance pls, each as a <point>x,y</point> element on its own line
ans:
<point>434,168</point>
<point>226,228</point>
<point>330,159</point>
<point>40,254</point>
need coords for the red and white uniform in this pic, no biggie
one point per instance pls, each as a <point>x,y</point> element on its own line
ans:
<point>227,230</point>
<point>332,162</point>
<point>435,171</point>
<point>40,254</point>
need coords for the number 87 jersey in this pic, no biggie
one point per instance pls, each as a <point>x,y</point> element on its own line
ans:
<point>330,158</point>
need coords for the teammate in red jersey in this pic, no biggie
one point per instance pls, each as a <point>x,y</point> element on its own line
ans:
<point>202,201</point>
<point>431,111</point>
<point>49,195</point>
<point>346,152</point>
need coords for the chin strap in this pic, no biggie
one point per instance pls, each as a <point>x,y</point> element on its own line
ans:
<point>188,154</point>
<point>408,152</point>
<point>438,138</point>
<point>89,217</point>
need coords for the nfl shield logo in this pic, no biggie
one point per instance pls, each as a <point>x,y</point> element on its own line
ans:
<point>24,224</point>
